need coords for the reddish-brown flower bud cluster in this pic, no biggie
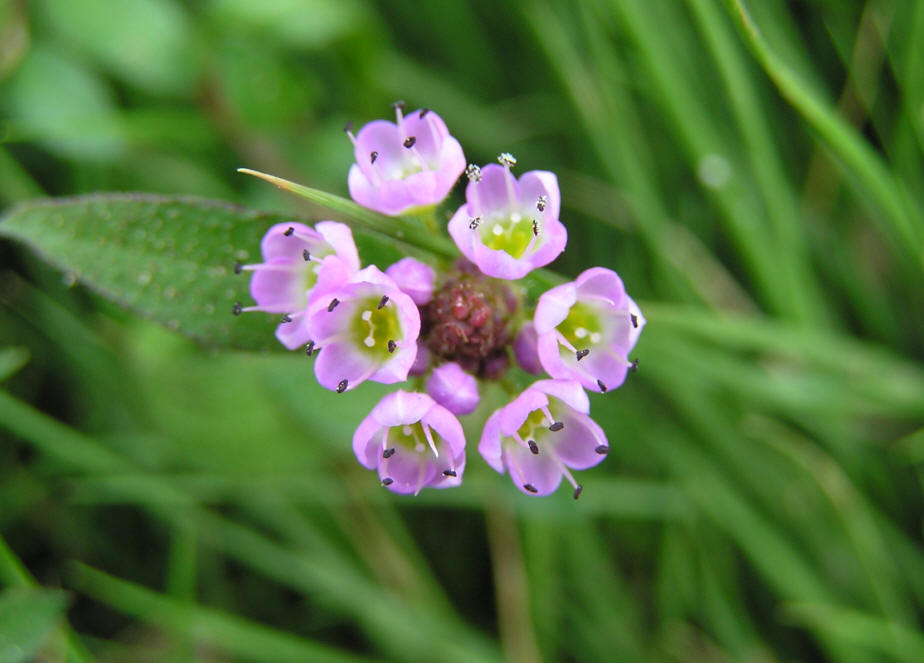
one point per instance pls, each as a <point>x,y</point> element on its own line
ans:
<point>467,322</point>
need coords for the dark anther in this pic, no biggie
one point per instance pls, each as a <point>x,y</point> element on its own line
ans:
<point>387,481</point>
<point>238,267</point>
<point>348,127</point>
<point>333,304</point>
<point>409,143</point>
<point>634,320</point>
<point>237,309</point>
<point>449,473</point>
<point>533,446</point>
<point>541,203</point>
<point>474,223</point>
<point>580,354</point>
<point>535,228</point>
<point>388,453</point>
<point>633,366</point>
<point>557,426</point>
<point>601,385</point>
<point>578,489</point>
<point>373,156</point>
<point>306,255</point>
<point>341,387</point>
<point>423,113</point>
<point>289,231</point>
<point>309,349</point>
<point>399,105</point>
<point>382,302</point>
<point>392,346</point>
<point>286,318</point>
<point>530,488</point>
<point>602,450</point>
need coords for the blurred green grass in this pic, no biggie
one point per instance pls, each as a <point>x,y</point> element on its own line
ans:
<point>753,170</point>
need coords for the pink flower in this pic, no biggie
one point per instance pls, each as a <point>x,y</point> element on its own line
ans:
<point>587,328</point>
<point>366,330</point>
<point>412,163</point>
<point>299,265</point>
<point>453,388</point>
<point>541,434</point>
<point>509,227</point>
<point>414,278</point>
<point>413,442</point>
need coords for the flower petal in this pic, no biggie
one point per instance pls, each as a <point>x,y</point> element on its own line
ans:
<point>541,472</point>
<point>577,442</point>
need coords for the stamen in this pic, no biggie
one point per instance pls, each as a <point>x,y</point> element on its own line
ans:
<point>595,337</point>
<point>530,488</point>
<point>580,354</point>
<point>429,436</point>
<point>533,447</point>
<point>423,113</point>
<point>633,367</point>
<point>306,256</point>
<point>473,173</point>
<point>557,426</point>
<point>634,319</point>
<point>388,453</point>
<point>535,227</point>
<point>237,309</point>
<point>580,332</point>
<point>333,304</point>
<point>449,473</point>
<point>498,229</point>
<point>238,267</point>
<point>601,385</point>
<point>564,341</point>
<point>409,141</point>
<point>309,349</point>
<point>507,160</point>
<point>578,490</point>
<point>369,341</point>
<point>602,449</point>
<point>342,386</point>
<point>348,127</point>
<point>387,481</point>
<point>474,223</point>
<point>399,105</point>
<point>289,231</point>
<point>373,156</point>
<point>392,346</point>
<point>541,203</point>
<point>366,316</point>
<point>286,319</point>
<point>382,302</point>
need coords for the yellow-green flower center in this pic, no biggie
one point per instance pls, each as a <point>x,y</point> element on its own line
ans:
<point>582,328</point>
<point>376,327</point>
<point>512,234</point>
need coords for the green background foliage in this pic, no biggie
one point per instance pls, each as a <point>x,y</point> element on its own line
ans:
<point>753,170</point>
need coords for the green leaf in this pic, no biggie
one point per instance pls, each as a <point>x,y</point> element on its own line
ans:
<point>27,616</point>
<point>170,259</point>
<point>11,360</point>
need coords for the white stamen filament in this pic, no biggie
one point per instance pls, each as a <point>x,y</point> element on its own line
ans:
<point>564,341</point>
<point>548,415</point>
<point>429,436</point>
<point>508,180</point>
<point>271,267</point>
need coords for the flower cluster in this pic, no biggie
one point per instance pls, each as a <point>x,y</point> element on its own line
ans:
<point>452,328</point>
